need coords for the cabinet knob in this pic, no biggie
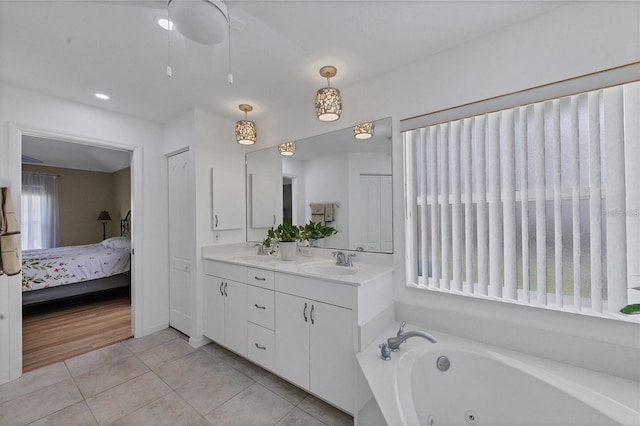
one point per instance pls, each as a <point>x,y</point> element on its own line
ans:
<point>221,284</point>
<point>260,279</point>
<point>311,314</point>
<point>225,289</point>
<point>259,307</point>
<point>263,348</point>
<point>304,312</point>
<point>215,220</point>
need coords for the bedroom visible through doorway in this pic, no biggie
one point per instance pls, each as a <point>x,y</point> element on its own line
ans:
<point>76,258</point>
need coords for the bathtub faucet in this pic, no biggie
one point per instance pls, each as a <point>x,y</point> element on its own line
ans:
<point>393,343</point>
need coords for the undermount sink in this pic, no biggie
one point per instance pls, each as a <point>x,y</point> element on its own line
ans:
<point>326,269</point>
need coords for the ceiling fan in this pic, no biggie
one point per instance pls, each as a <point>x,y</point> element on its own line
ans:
<point>202,23</point>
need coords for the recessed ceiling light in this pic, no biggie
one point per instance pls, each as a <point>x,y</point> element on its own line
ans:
<point>164,23</point>
<point>102,96</point>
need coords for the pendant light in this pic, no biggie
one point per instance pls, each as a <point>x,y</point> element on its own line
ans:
<point>287,149</point>
<point>363,130</point>
<point>246,132</point>
<point>328,99</point>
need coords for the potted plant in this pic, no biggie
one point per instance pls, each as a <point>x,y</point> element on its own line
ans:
<point>285,236</point>
<point>314,231</point>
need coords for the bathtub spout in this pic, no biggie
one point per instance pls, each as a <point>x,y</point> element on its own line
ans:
<point>395,342</point>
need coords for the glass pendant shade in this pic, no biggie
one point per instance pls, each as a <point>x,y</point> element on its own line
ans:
<point>328,104</point>
<point>246,132</point>
<point>287,149</point>
<point>363,130</point>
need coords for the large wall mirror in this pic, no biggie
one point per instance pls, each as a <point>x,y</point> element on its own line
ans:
<point>332,178</point>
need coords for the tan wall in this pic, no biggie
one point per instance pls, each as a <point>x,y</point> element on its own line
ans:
<point>82,196</point>
<point>122,196</point>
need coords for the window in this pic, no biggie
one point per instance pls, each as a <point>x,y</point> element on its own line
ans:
<point>40,228</point>
<point>536,204</point>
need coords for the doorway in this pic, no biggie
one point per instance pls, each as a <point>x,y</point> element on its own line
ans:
<point>76,277</point>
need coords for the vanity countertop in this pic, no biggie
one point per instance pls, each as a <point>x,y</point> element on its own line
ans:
<point>311,267</point>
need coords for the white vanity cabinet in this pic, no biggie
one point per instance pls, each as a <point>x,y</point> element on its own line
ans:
<point>314,337</point>
<point>225,301</point>
<point>261,317</point>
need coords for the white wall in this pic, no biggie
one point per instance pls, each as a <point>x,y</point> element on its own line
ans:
<point>24,110</point>
<point>326,180</point>
<point>573,40</point>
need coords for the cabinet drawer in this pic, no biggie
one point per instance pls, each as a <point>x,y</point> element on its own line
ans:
<point>261,345</point>
<point>260,307</point>
<point>260,278</point>
<point>225,270</point>
<point>310,288</point>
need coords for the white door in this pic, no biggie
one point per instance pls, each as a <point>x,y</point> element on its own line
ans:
<point>370,212</point>
<point>386,214</point>
<point>235,316</point>
<point>292,338</point>
<point>213,294</point>
<point>179,237</point>
<point>331,354</point>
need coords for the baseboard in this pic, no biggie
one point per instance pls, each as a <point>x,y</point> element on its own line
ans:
<point>198,341</point>
<point>154,329</point>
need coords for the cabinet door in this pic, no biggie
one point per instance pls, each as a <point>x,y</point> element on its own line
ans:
<point>227,207</point>
<point>235,318</point>
<point>292,339</point>
<point>213,326</point>
<point>331,354</point>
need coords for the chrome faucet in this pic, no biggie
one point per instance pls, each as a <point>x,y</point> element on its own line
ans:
<point>343,259</point>
<point>262,250</point>
<point>393,343</point>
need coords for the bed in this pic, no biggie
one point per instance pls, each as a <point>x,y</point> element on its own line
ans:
<point>64,272</point>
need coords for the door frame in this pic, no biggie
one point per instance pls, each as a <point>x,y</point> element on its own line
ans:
<point>16,132</point>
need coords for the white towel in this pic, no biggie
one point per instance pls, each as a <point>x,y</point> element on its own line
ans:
<point>9,235</point>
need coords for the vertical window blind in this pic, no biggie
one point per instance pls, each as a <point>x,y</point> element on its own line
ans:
<point>529,204</point>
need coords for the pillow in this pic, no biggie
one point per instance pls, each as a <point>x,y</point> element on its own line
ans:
<point>117,243</point>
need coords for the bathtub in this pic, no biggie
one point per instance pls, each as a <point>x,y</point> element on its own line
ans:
<point>484,385</point>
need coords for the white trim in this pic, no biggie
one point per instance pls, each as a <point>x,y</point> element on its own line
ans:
<point>585,83</point>
<point>15,133</point>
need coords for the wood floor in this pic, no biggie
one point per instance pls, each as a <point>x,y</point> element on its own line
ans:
<point>53,333</point>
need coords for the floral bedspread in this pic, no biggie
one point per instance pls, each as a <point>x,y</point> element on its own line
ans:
<point>67,265</point>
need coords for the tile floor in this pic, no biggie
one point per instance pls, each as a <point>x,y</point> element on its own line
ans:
<point>160,380</point>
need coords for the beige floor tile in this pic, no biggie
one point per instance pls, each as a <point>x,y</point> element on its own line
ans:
<point>94,359</point>
<point>188,368</point>
<point>33,380</point>
<point>147,342</point>
<point>39,404</point>
<point>123,399</point>
<point>297,417</point>
<point>170,410</point>
<point>165,352</point>
<point>248,368</point>
<point>255,405</point>
<point>100,379</point>
<point>77,414</point>
<point>291,393</point>
<point>324,412</point>
<point>219,351</point>
<point>214,388</point>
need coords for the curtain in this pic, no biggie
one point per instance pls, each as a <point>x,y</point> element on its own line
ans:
<point>40,222</point>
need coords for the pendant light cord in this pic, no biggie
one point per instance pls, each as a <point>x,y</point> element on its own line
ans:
<point>169,23</point>
<point>230,75</point>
